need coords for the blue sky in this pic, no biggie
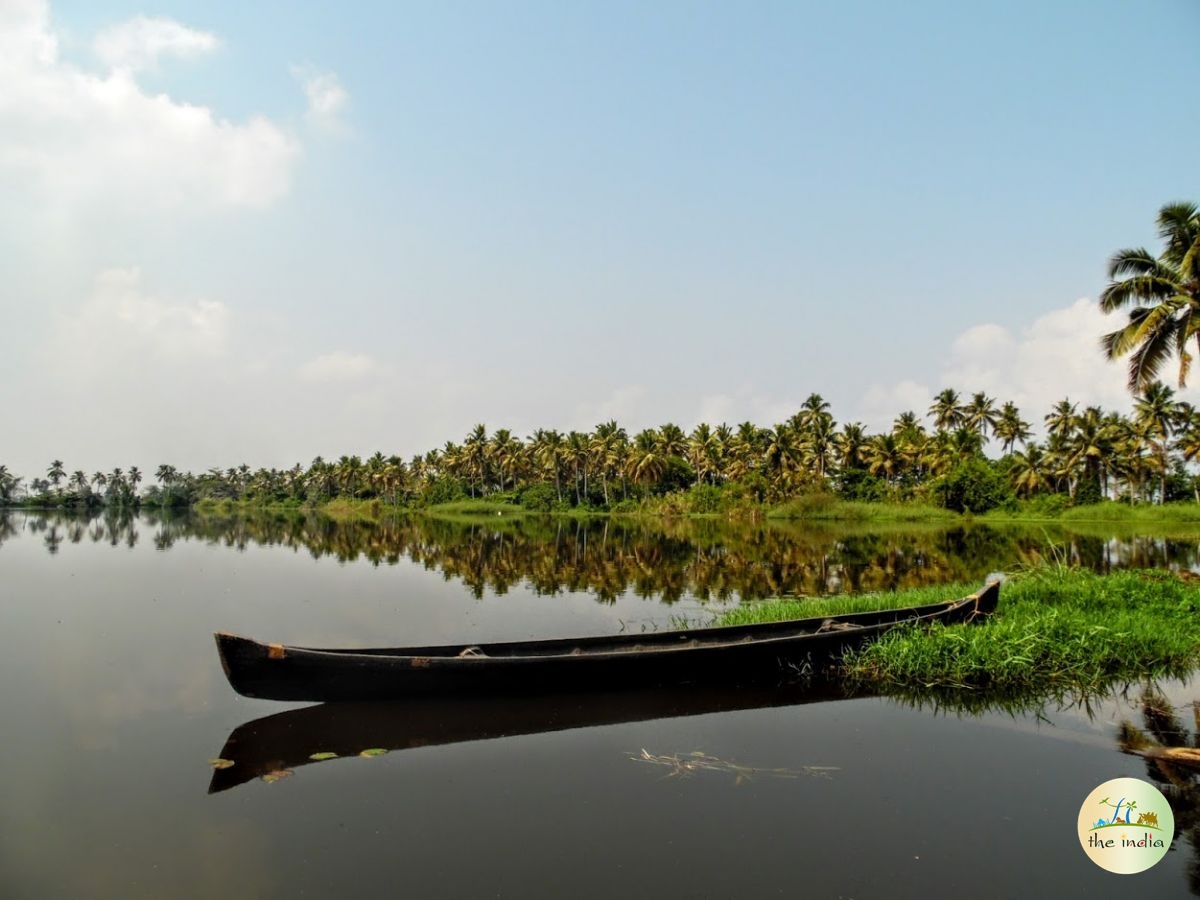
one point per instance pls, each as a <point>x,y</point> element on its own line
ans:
<point>261,232</point>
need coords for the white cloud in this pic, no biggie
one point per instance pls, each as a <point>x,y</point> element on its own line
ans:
<point>882,403</point>
<point>120,323</point>
<point>82,140</point>
<point>341,366</point>
<point>1056,356</point>
<point>138,43</point>
<point>327,99</point>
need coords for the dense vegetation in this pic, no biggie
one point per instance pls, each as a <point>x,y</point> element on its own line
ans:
<point>794,466</point>
<point>1057,629</point>
<point>1087,455</point>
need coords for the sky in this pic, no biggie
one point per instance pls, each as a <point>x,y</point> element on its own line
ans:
<point>264,232</point>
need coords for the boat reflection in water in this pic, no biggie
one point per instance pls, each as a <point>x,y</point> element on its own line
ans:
<point>279,743</point>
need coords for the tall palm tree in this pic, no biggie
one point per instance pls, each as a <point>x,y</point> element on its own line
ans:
<point>1032,470</point>
<point>56,472</point>
<point>849,444</point>
<point>947,411</point>
<point>607,442</point>
<point>1010,427</point>
<point>980,414</point>
<point>647,462</point>
<point>1060,421</point>
<point>1163,297</point>
<point>700,451</point>
<point>1157,411</point>
<point>884,456</point>
<point>549,450</point>
<point>475,447</point>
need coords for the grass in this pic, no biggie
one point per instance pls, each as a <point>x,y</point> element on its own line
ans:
<point>1181,513</point>
<point>1057,629</point>
<point>755,612</point>
<point>475,508</point>
<point>825,508</point>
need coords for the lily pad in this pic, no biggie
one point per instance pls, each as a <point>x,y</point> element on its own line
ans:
<point>373,751</point>
<point>317,757</point>
<point>220,763</point>
<point>272,777</point>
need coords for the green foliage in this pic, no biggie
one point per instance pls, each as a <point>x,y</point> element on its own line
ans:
<point>703,499</point>
<point>973,486</point>
<point>538,497</point>
<point>1056,629</point>
<point>445,489</point>
<point>1088,492</point>
<point>1043,506</point>
<point>860,485</point>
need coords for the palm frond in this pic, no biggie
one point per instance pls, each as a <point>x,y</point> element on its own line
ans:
<point>1189,267</point>
<point>1131,261</point>
<point>1139,288</point>
<point>1176,217</point>
<point>1155,342</point>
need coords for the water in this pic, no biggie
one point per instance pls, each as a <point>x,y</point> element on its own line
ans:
<point>115,702</point>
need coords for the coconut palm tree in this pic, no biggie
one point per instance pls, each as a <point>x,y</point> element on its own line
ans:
<point>947,411</point>
<point>884,456</point>
<point>549,450</point>
<point>1157,411</point>
<point>849,444</point>
<point>475,448</point>
<point>1032,470</point>
<point>56,472</point>
<point>647,462</point>
<point>1060,421</point>
<point>1010,427</point>
<point>701,451</point>
<point>506,451</point>
<point>605,445</point>
<point>1163,297</point>
<point>980,414</point>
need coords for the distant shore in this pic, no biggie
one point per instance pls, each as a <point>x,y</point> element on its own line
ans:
<point>811,508</point>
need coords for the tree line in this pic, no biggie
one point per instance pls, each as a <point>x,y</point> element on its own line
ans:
<point>1087,454</point>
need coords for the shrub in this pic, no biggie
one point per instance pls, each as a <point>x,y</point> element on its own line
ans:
<point>704,498</point>
<point>539,497</point>
<point>973,486</point>
<point>443,490</point>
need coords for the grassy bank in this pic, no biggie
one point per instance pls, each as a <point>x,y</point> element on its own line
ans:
<point>1167,514</point>
<point>822,508</point>
<point>1057,630</point>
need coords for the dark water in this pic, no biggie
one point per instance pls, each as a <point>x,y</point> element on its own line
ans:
<point>114,702</point>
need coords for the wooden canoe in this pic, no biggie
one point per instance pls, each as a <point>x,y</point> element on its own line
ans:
<point>706,655</point>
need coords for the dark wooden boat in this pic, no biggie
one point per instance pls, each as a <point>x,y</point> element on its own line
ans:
<point>712,655</point>
<point>331,731</point>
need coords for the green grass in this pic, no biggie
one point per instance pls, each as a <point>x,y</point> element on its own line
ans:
<point>1144,514</point>
<point>755,612</point>
<point>1056,630</point>
<point>473,508</point>
<point>823,507</point>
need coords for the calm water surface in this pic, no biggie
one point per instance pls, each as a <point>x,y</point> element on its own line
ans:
<point>115,702</point>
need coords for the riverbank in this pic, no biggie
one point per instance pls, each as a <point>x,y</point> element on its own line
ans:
<point>1057,630</point>
<point>815,508</point>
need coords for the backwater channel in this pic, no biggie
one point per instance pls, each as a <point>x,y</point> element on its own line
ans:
<point>114,703</point>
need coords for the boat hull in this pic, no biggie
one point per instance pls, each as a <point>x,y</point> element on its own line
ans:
<point>702,656</point>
